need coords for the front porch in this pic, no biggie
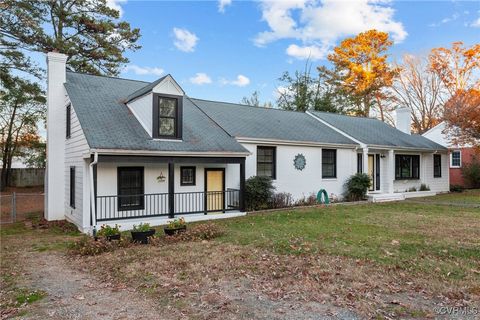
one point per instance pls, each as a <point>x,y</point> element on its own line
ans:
<point>130,190</point>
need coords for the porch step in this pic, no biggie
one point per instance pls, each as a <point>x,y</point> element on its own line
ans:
<point>385,197</point>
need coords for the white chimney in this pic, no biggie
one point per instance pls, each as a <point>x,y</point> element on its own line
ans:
<point>56,111</point>
<point>403,120</point>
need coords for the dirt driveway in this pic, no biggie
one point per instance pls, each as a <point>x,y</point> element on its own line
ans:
<point>70,290</point>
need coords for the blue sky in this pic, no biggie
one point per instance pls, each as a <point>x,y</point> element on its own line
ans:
<point>225,50</point>
<point>225,54</point>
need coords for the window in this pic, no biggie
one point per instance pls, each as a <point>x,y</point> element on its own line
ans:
<point>266,162</point>
<point>130,188</point>
<point>72,187</point>
<point>167,113</point>
<point>359,163</point>
<point>456,159</point>
<point>187,176</point>
<point>407,166</point>
<point>437,166</point>
<point>329,163</point>
<point>69,120</point>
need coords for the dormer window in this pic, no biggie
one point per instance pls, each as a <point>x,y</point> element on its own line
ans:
<point>167,117</point>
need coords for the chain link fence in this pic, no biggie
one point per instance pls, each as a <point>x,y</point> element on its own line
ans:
<point>21,206</point>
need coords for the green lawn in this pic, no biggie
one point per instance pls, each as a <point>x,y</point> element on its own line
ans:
<point>466,197</point>
<point>412,236</point>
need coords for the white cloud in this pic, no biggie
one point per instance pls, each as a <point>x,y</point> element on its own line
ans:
<point>184,40</point>
<point>453,17</point>
<point>200,78</point>
<point>318,25</point>
<point>116,4</point>
<point>240,81</point>
<point>222,4</point>
<point>144,70</point>
<point>307,52</point>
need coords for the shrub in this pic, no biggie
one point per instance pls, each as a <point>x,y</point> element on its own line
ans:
<point>412,189</point>
<point>424,187</point>
<point>199,232</point>
<point>142,227</point>
<point>281,200</point>
<point>309,200</point>
<point>471,173</point>
<point>456,188</point>
<point>176,223</point>
<point>258,193</point>
<point>106,230</point>
<point>88,246</point>
<point>356,187</point>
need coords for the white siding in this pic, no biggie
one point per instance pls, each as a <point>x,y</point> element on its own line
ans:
<point>426,175</point>
<point>309,180</point>
<point>440,184</point>
<point>75,147</point>
<point>168,86</point>
<point>142,110</point>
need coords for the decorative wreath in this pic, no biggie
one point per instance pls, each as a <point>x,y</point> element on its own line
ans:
<point>299,162</point>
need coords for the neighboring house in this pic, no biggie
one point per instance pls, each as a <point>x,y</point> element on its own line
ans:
<point>125,151</point>
<point>459,155</point>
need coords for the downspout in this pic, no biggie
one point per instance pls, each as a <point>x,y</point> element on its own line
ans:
<point>92,192</point>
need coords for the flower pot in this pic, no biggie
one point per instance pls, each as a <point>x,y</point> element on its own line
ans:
<point>174,231</point>
<point>113,237</point>
<point>142,236</point>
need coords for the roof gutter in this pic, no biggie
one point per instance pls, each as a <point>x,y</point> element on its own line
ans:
<point>294,142</point>
<point>169,153</point>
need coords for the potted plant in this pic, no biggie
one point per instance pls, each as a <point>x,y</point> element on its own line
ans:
<point>111,233</point>
<point>141,233</point>
<point>175,226</point>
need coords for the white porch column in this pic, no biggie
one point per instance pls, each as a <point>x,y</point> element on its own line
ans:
<point>391,170</point>
<point>365,160</point>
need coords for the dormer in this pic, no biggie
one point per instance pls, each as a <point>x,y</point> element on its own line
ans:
<point>159,108</point>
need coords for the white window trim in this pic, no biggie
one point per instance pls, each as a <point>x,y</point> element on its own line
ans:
<point>451,159</point>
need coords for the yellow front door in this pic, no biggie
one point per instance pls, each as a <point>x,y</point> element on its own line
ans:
<point>215,186</point>
<point>371,171</point>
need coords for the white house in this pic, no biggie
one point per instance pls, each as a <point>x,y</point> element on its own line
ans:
<point>125,151</point>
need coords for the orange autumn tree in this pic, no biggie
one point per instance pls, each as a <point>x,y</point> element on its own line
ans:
<point>462,115</point>
<point>361,70</point>
<point>459,69</point>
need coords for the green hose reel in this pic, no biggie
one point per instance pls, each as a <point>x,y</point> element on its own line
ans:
<point>322,197</point>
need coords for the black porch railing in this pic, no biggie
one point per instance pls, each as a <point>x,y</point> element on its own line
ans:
<point>121,207</point>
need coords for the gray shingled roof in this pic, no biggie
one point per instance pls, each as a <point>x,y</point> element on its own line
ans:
<point>375,132</point>
<point>108,124</point>
<point>263,123</point>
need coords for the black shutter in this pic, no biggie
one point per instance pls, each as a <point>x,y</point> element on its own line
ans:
<point>68,121</point>
<point>72,187</point>
<point>377,172</point>
<point>437,166</point>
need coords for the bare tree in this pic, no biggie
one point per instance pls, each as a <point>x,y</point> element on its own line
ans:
<point>421,90</point>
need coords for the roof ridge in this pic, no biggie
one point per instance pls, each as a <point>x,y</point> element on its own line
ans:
<point>105,76</point>
<point>346,115</point>
<point>247,106</point>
